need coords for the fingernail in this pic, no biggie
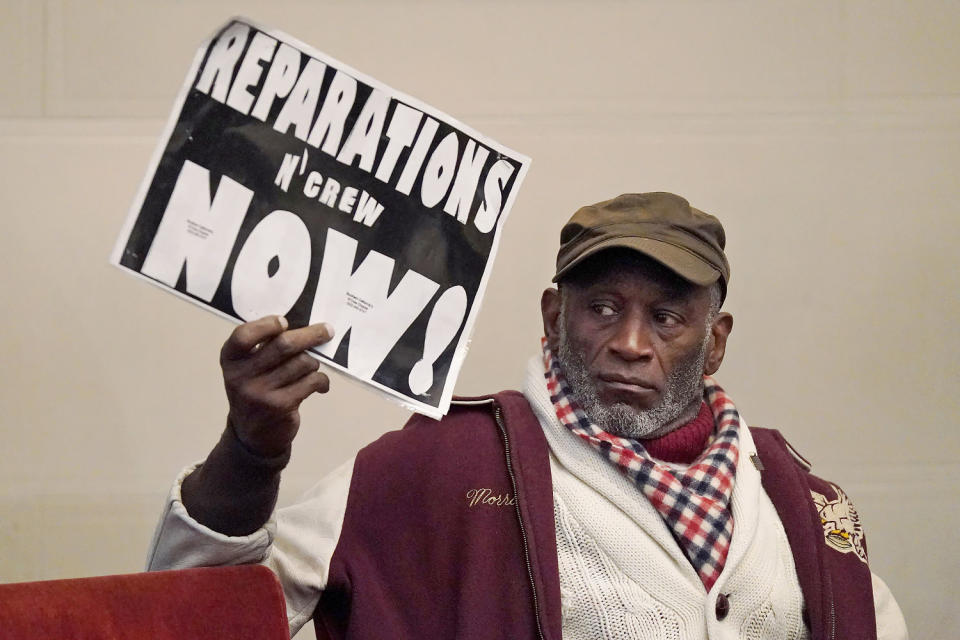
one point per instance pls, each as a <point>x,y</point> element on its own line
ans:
<point>329,328</point>
<point>283,322</point>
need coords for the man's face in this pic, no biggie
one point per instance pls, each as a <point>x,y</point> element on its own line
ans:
<point>634,341</point>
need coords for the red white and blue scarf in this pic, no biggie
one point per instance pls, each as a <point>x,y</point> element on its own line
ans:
<point>695,502</point>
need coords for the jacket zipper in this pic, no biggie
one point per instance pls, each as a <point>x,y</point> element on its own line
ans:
<point>828,587</point>
<point>833,613</point>
<point>498,416</point>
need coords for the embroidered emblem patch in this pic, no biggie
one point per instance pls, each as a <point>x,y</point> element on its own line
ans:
<point>841,523</point>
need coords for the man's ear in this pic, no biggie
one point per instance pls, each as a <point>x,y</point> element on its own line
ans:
<point>719,331</point>
<point>550,309</point>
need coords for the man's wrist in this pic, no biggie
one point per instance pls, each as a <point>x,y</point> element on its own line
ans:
<point>234,490</point>
<point>242,452</point>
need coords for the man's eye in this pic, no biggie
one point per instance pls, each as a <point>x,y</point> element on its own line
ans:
<point>603,309</point>
<point>666,319</point>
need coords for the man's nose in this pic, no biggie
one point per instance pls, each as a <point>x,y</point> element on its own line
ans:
<point>632,340</point>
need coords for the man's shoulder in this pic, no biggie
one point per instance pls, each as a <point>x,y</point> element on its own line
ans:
<point>772,443</point>
<point>469,410</point>
<point>780,459</point>
<point>470,418</point>
<point>470,440</point>
<point>789,480</point>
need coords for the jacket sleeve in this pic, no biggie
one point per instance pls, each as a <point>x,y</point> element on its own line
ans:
<point>297,542</point>
<point>890,622</point>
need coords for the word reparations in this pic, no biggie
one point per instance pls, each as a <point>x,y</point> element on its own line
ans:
<point>304,97</point>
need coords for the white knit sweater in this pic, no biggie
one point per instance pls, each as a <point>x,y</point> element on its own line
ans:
<point>622,575</point>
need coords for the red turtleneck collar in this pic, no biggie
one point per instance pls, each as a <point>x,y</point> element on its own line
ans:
<point>684,444</point>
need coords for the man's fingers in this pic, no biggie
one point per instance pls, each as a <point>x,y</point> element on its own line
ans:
<point>291,370</point>
<point>314,382</point>
<point>290,343</point>
<point>267,375</point>
<point>248,335</point>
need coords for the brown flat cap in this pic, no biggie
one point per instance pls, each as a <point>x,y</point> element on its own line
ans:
<point>660,225</point>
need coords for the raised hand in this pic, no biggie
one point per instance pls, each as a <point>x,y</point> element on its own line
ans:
<point>267,374</point>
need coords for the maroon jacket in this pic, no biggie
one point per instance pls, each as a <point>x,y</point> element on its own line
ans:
<point>449,533</point>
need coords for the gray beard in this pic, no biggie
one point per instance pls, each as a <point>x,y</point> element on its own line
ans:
<point>683,386</point>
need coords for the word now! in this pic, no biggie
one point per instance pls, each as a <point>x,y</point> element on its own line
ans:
<point>197,235</point>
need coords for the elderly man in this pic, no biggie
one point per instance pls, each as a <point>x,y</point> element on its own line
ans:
<point>620,495</point>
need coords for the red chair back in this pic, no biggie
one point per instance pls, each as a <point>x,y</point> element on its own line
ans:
<point>235,603</point>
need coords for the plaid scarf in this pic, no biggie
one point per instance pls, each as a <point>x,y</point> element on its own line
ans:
<point>695,503</point>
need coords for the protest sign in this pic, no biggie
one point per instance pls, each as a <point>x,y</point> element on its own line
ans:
<point>288,183</point>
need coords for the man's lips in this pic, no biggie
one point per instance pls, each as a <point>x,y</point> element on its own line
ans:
<point>628,384</point>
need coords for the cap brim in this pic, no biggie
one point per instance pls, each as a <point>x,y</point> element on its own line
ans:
<point>685,264</point>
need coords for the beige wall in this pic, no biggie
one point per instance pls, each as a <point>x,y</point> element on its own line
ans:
<point>826,135</point>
